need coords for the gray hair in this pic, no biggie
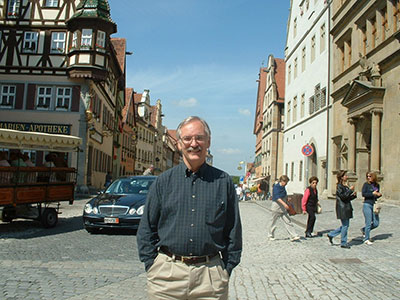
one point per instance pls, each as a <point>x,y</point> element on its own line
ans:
<point>191,119</point>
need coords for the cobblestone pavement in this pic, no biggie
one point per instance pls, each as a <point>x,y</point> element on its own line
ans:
<point>312,268</point>
<point>68,263</point>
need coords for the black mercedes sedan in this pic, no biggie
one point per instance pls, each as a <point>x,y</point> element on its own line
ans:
<point>121,205</point>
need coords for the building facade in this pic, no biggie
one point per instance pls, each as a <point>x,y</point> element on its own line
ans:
<point>365,92</point>
<point>273,114</point>
<point>58,69</point>
<point>306,132</point>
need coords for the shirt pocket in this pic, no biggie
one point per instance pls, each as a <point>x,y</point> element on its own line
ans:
<point>216,216</point>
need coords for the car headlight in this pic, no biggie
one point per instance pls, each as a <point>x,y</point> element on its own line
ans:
<point>132,211</point>
<point>88,208</point>
<point>140,210</point>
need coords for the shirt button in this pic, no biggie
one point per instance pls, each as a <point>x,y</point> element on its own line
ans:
<point>190,253</point>
<point>190,240</point>
<point>192,225</point>
<point>193,196</point>
<point>192,209</point>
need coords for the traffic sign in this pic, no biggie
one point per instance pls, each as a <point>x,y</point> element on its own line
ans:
<point>307,150</point>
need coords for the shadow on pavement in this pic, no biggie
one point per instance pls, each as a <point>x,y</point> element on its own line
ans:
<point>27,229</point>
<point>115,231</point>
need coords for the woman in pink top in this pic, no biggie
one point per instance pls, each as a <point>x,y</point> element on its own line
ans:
<point>309,204</point>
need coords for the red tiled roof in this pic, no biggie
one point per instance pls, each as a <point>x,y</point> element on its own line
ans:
<point>119,45</point>
<point>172,133</point>
<point>128,97</point>
<point>137,97</point>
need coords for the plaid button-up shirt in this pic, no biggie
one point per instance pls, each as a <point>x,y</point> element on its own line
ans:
<point>193,214</point>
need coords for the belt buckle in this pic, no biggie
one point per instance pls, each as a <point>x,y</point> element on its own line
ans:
<point>186,259</point>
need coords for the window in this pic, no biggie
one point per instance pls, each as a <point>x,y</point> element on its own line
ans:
<point>301,171</point>
<point>288,113</point>
<point>373,32</point>
<point>384,23</point>
<point>295,109</point>
<point>63,100</point>
<point>43,97</point>
<point>57,42</point>
<point>13,8</point>
<point>295,68</point>
<point>294,27</point>
<point>289,74</point>
<point>74,40</point>
<point>101,39</point>
<point>86,38</point>
<point>396,15</point>
<point>292,171</point>
<point>303,61</point>
<point>322,98</point>
<point>51,3</point>
<point>347,48</point>
<point>311,105</point>
<point>322,41</point>
<point>287,169</point>
<point>364,40</point>
<point>313,48</point>
<point>30,42</point>
<point>7,96</point>
<point>341,54</point>
<point>302,105</point>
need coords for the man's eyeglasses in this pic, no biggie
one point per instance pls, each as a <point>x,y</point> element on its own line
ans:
<point>198,138</point>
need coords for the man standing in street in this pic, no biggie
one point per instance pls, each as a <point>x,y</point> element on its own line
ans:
<point>190,235</point>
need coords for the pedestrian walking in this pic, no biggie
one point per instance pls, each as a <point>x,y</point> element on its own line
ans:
<point>279,209</point>
<point>309,204</point>
<point>108,179</point>
<point>190,235</point>
<point>370,192</point>
<point>344,209</point>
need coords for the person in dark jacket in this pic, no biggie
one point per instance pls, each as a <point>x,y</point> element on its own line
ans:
<point>370,192</point>
<point>344,210</point>
<point>309,204</point>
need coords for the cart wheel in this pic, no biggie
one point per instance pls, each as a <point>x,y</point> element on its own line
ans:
<point>49,218</point>
<point>7,215</point>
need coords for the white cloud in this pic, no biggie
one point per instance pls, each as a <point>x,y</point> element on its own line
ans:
<point>244,112</point>
<point>191,102</point>
<point>229,151</point>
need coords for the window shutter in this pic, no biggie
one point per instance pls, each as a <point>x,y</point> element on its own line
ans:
<point>19,97</point>
<point>30,100</point>
<point>76,96</point>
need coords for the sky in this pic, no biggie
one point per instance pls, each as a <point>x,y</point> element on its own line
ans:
<point>202,57</point>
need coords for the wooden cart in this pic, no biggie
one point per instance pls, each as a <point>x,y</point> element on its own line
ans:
<point>35,192</point>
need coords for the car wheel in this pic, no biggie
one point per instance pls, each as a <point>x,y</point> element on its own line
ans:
<point>7,215</point>
<point>49,218</point>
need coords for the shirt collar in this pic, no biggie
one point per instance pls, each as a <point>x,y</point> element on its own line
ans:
<point>200,173</point>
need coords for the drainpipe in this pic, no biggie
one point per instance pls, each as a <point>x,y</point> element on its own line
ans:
<point>328,99</point>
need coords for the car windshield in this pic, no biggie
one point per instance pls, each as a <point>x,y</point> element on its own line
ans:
<point>130,186</point>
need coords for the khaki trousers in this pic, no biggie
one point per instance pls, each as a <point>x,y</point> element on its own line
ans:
<point>279,212</point>
<point>171,279</point>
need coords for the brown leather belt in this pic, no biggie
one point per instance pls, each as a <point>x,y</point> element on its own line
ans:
<point>189,260</point>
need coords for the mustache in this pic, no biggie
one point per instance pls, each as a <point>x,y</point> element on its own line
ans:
<point>198,148</point>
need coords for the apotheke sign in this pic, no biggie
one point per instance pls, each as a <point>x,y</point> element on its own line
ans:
<point>38,127</point>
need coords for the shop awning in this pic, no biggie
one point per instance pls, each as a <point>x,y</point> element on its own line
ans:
<point>26,140</point>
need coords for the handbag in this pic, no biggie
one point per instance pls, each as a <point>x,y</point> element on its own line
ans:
<point>291,210</point>
<point>319,208</point>
<point>377,207</point>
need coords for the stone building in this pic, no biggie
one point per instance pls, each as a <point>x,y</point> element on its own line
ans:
<point>365,92</point>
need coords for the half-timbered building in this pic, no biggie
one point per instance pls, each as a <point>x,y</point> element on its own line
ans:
<point>60,73</point>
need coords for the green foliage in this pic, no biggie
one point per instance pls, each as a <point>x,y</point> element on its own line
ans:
<point>235,179</point>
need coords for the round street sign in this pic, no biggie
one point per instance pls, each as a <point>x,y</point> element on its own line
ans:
<point>307,150</point>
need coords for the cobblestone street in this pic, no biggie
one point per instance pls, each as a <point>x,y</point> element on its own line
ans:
<point>68,263</point>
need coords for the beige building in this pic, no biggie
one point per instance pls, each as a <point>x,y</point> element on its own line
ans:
<point>273,112</point>
<point>365,92</point>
